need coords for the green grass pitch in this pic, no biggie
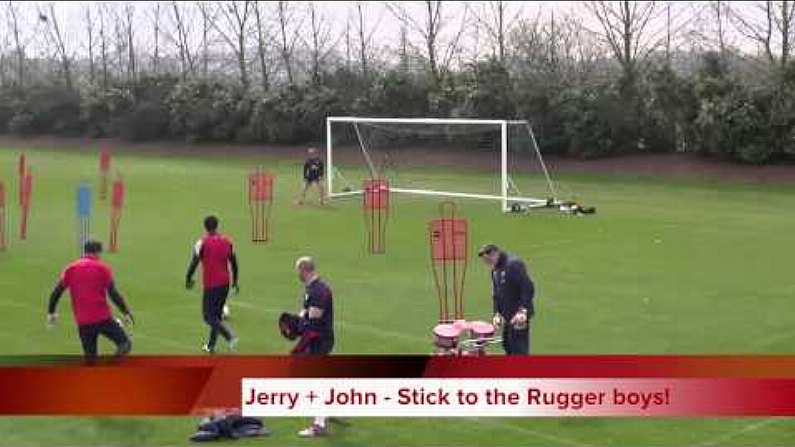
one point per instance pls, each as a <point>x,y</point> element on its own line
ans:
<point>665,267</point>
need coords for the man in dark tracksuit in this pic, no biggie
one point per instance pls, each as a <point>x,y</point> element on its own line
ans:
<point>513,298</point>
<point>314,170</point>
<point>317,326</point>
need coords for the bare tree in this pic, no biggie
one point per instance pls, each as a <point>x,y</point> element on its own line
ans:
<point>625,27</point>
<point>55,40</point>
<point>431,28</point>
<point>156,31</point>
<point>3,62</point>
<point>90,35</point>
<point>262,36</point>
<point>182,40</point>
<point>103,46</point>
<point>582,51</point>
<point>364,38</point>
<point>403,50</point>
<point>120,37</point>
<point>712,28</point>
<point>129,11</point>
<point>528,39</point>
<point>668,33</point>
<point>13,23</point>
<point>348,44</point>
<point>288,37</point>
<point>208,17</point>
<point>552,35</point>
<point>719,9</point>
<point>321,42</point>
<point>236,15</point>
<point>497,20</point>
<point>556,51</point>
<point>771,27</point>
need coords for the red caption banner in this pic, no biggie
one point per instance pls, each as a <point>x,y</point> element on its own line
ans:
<point>692,386</point>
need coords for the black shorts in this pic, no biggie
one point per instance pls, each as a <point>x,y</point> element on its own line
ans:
<point>322,345</point>
<point>515,341</point>
<point>312,179</point>
<point>213,303</point>
<point>110,328</point>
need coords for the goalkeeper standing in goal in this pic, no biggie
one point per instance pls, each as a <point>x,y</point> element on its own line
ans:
<point>313,175</point>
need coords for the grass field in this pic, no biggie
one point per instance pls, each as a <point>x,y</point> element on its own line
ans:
<point>665,267</point>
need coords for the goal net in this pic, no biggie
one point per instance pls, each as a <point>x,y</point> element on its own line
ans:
<point>468,158</point>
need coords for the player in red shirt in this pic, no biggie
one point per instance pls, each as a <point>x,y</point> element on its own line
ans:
<point>90,282</point>
<point>216,254</point>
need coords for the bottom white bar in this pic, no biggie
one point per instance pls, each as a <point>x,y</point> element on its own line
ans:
<point>465,195</point>
<point>346,193</point>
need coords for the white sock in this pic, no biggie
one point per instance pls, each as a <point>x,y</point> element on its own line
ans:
<point>320,422</point>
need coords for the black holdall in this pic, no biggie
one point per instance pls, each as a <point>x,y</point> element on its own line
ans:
<point>231,426</point>
<point>290,325</point>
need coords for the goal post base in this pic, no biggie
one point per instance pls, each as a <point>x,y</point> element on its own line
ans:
<point>528,202</point>
<point>502,136</point>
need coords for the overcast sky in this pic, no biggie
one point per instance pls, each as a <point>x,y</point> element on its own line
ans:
<point>380,23</point>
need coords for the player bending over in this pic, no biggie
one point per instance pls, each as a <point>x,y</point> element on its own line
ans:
<point>313,175</point>
<point>90,283</point>
<point>216,254</point>
<point>513,298</point>
<point>317,326</point>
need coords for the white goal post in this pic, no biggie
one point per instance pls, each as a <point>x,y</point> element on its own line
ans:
<point>508,194</point>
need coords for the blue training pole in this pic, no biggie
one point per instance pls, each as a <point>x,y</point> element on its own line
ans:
<point>83,215</point>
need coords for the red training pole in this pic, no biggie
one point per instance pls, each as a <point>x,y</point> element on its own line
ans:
<point>104,169</point>
<point>27,189</point>
<point>375,206</point>
<point>21,170</point>
<point>2,216</point>
<point>260,200</point>
<point>117,204</point>
<point>449,235</point>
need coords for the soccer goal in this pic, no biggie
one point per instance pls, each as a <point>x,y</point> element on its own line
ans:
<point>427,156</point>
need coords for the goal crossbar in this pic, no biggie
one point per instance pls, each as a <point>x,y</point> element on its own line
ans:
<point>505,196</point>
<point>358,119</point>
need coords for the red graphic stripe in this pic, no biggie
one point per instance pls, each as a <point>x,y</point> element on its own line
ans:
<point>182,385</point>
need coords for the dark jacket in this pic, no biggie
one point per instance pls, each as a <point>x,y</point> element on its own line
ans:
<point>512,287</point>
<point>313,169</point>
